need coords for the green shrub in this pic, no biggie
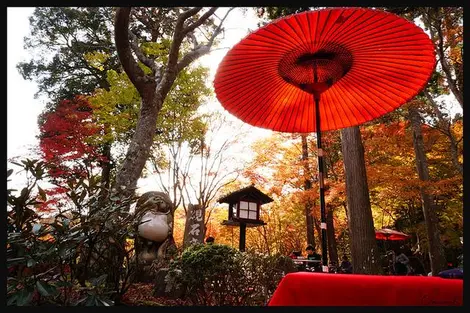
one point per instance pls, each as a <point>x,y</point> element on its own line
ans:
<point>220,275</point>
<point>76,257</point>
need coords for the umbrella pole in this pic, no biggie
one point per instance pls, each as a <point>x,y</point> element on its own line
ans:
<point>324,246</point>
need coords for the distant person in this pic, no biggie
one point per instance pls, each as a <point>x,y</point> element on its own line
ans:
<point>346,266</point>
<point>333,267</point>
<point>402,264</point>
<point>313,255</point>
<point>210,240</point>
<point>450,272</point>
<point>456,273</point>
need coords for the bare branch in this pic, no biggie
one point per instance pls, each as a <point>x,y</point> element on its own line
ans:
<point>444,64</point>
<point>178,37</point>
<point>193,39</point>
<point>140,55</point>
<point>200,21</point>
<point>187,14</point>
<point>121,37</point>
<point>219,28</point>
<point>193,55</point>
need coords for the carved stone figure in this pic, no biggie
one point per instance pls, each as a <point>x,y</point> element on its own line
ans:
<point>154,210</point>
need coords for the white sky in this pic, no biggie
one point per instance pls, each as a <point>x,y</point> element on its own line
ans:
<point>22,108</point>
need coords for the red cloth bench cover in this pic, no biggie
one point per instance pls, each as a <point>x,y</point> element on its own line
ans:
<point>322,289</point>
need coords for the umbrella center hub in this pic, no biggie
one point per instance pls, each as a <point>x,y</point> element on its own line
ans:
<point>314,70</point>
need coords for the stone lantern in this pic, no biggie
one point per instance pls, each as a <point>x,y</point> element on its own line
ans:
<point>244,210</point>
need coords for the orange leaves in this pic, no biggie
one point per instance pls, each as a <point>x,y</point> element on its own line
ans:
<point>336,193</point>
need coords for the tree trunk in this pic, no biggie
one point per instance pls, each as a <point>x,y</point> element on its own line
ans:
<point>152,95</point>
<point>436,251</point>
<point>106,167</point>
<point>307,186</point>
<point>153,88</point>
<point>139,148</point>
<point>364,250</point>
<point>330,230</point>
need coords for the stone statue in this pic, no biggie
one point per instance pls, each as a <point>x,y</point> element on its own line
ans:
<point>154,211</point>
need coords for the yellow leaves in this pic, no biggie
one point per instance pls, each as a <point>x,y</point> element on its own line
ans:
<point>455,55</point>
<point>96,59</point>
<point>155,49</point>
<point>457,129</point>
<point>47,237</point>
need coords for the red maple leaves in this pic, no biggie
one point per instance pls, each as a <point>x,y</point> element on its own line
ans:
<point>66,139</point>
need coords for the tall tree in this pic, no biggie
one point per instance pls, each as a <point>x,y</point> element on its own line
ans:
<point>395,186</point>
<point>364,250</point>
<point>436,253</point>
<point>178,122</point>
<point>153,87</point>
<point>194,172</point>
<point>332,248</point>
<point>445,25</point>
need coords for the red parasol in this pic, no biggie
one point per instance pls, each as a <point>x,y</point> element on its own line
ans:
<point>362,63</point>
<point>390,234</point>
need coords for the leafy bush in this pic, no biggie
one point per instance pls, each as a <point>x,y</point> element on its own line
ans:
<point>220,275</point>
<point>79,256</point>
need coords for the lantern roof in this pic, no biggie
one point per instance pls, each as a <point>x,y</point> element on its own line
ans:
<point>247,193</point>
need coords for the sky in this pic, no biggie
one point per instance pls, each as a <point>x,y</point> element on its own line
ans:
<point>23,109</point>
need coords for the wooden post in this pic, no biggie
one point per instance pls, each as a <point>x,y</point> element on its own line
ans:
<point>230,211</point>
<point>324,242</point>
<point>242,237</point>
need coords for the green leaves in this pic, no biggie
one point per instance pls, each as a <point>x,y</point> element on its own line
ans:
<point>45,289</point>
<point>70,36</point>
<point>21,298</point>
<point>42,194</point>
<point>45,255</point>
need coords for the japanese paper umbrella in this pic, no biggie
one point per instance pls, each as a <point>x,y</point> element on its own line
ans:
<point>324,70</point>
<point>390,234</point>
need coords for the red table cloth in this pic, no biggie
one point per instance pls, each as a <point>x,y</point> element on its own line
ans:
<point>322,289</point>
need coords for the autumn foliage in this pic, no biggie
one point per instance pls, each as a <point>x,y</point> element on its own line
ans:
<point>66,139</point>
